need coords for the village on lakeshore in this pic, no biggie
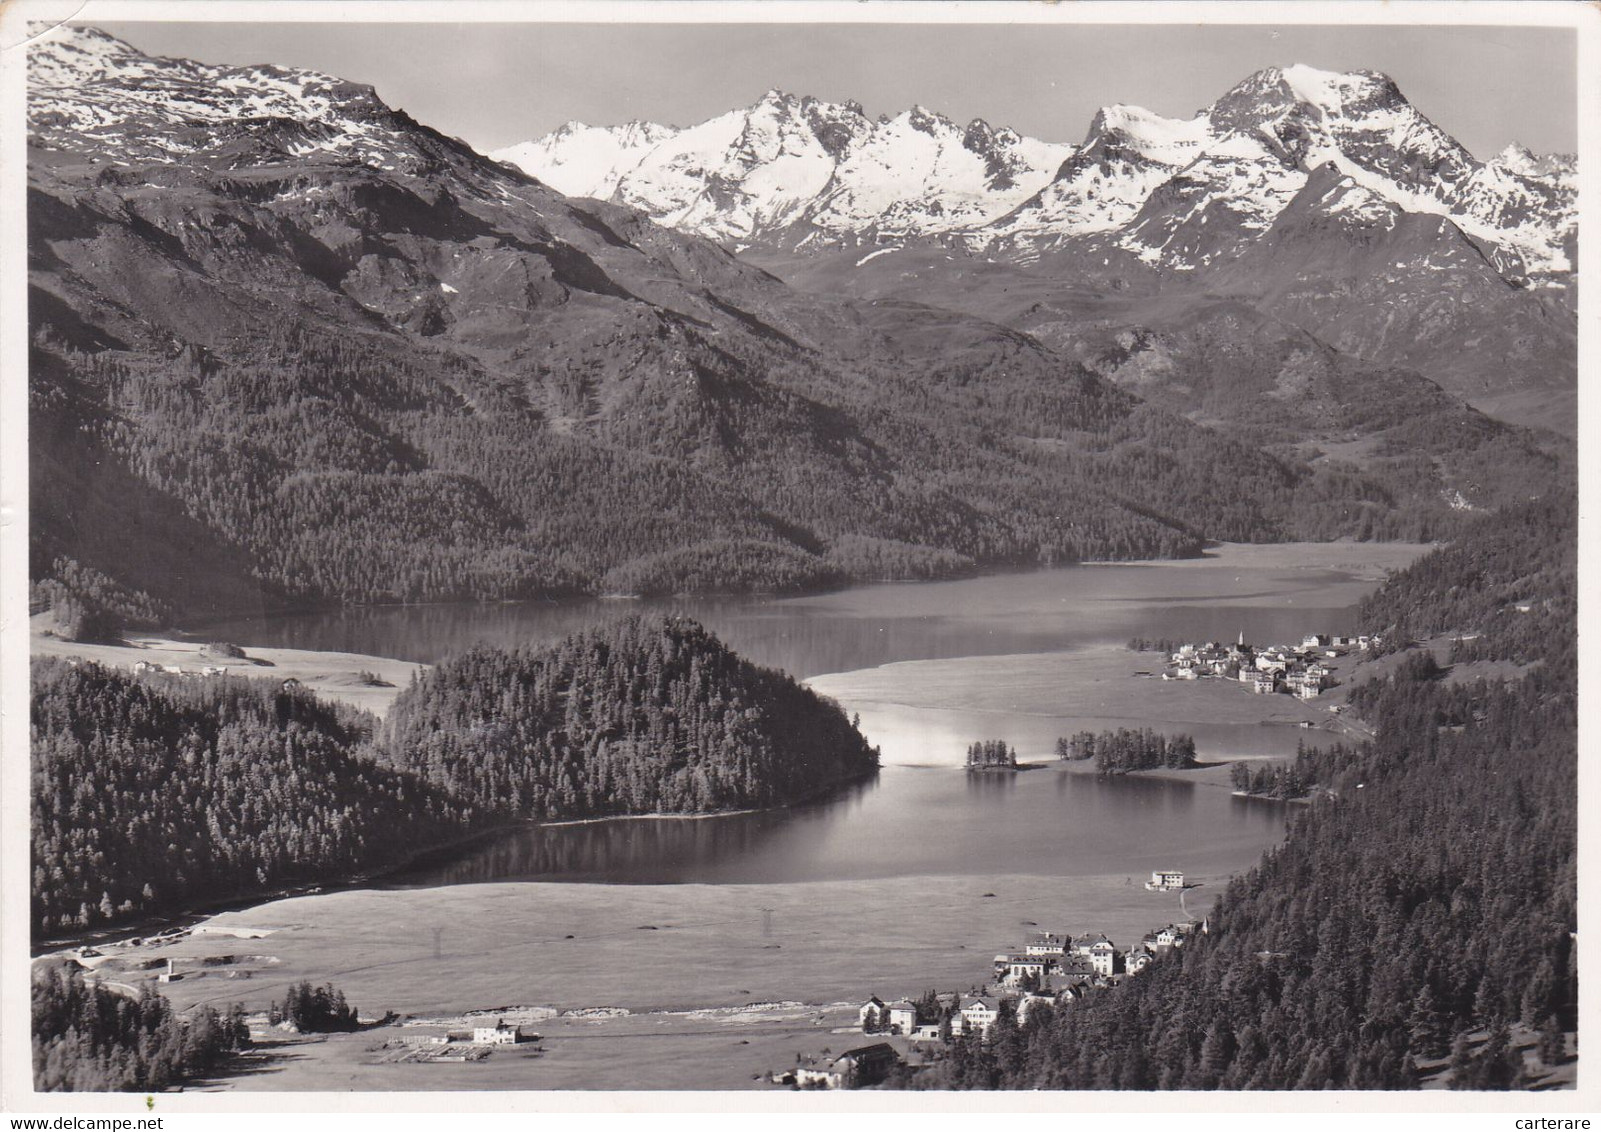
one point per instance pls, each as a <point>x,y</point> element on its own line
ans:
<point>1304,670</point>
<point>1052,968</point>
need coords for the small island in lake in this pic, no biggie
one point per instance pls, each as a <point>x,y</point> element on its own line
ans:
<point>1124,750</point>
<point>991,754</point>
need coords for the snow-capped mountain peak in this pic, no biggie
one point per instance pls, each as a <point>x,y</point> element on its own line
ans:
<point>802,170</point>
<point>90,91</point>
<point>577,159</point>
<point>1178,193</point>
<point>1152,182</point>
<point>1333,91</point>
<point>73,54</point>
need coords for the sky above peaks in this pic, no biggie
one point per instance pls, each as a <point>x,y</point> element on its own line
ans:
<point>497,84</point>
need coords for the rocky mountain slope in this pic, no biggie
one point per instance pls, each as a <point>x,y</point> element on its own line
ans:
<point>803,172</point>
<point>292,347</point>
<point>1326,199</point>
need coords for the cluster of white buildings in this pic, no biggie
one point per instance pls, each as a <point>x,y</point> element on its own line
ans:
<point>144,666</point>
<point>501,1033</point>
<point>1051,967</point>
<point>1302,670</point>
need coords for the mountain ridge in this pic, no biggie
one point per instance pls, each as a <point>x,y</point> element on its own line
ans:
<point>351,360</point>
<point>1280,124</point>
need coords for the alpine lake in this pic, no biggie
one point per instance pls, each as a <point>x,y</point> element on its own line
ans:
<point>701,952</point>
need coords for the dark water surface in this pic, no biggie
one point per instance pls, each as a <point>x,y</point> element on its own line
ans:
<point>910,821</point>
<point>1039,611</point>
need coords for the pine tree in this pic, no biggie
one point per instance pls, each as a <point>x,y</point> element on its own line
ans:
<point>1462,1062</point>
<point>1540,995</point>
<point>1426,1026</point>
<point>1553,1049</point>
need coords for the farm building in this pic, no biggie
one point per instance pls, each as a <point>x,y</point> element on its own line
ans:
<point>853,1069</point>
<point>499,1034</point>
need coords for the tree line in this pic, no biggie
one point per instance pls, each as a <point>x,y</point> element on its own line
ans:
<point>1160,644</point>
<point>1128,749</point>
<point>1269,781</point>
<point>986,753</point>
<point>314,1010</point>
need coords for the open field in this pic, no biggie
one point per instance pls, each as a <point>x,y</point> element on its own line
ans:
<point>659,1050</point>
<point>656,947</point>
<point>332,675</point>
<point>675,958</point>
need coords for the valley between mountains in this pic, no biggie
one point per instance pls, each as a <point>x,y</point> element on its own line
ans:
<point>294,349</point>
<point>953,436</point>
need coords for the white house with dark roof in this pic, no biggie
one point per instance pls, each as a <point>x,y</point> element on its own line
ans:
<point>1046,943</point>
<point>853,1069</point>
<point>872,1014</point>
<point>1016,968</point>
<point>902,1017</point>
<point>500,1034</point>
<point>977,1014</point>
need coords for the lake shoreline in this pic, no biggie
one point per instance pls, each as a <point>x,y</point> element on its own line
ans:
<point>331,674</point>
<point>915,881</point>
<point>1263,554</point>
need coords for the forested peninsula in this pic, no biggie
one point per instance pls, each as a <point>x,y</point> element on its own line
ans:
<point>156,793</point>
<point>648,715</point>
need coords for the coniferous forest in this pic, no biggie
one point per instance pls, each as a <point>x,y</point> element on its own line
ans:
<point>1422,906</point>
<point>345,470</point>
<point>647,715</point>
<point>87,1038</point>
<point>154,793</point>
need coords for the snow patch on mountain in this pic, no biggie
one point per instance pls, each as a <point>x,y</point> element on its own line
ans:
<point>874,255</point>
<point>1329,91</point>
<point>586,161</point>
<point>822,171</point>
<point>87,89</point>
